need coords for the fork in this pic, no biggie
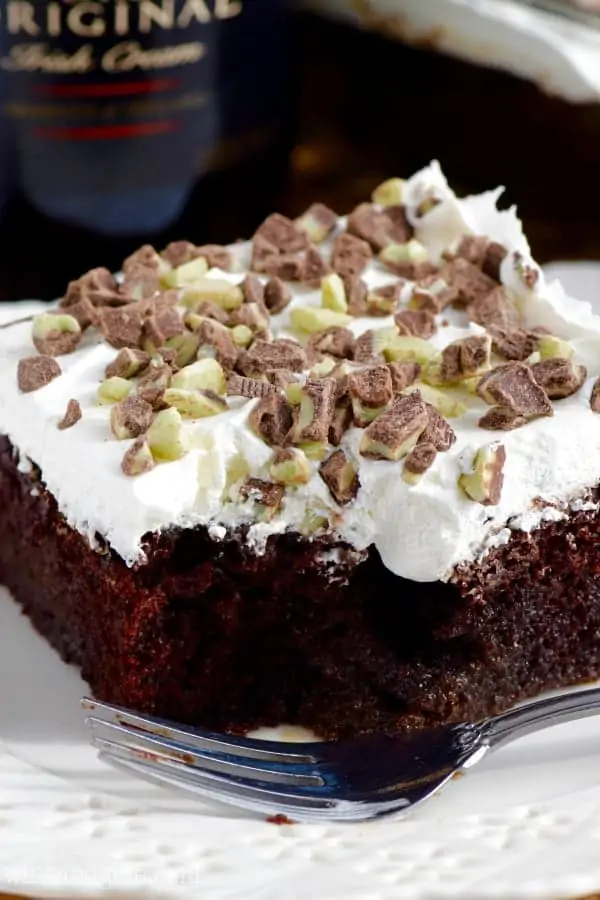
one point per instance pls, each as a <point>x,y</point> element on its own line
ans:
<point>351,781</point>
<point>13,322</point>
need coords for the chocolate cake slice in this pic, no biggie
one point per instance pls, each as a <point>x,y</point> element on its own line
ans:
<point>344,475</point>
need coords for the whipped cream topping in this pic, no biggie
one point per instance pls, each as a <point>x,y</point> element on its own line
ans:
<point>421,531</point>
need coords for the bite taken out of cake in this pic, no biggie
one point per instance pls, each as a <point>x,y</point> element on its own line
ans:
<point>344,475</point>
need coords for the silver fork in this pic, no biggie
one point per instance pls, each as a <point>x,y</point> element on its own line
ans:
<point>350,781</point>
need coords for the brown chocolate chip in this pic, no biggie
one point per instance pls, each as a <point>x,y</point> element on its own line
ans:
<point>120,297</point>
<point>216,256</point>
<point>138,459</point>
<point>285,266</point>
<point>131,417</point>
<point>513,343</point>
<point>416,322</point>
<point>501,418</point>
<point>283,234</point>
<point>271,419</point>
<point>484,483</point>
<point>320,219</point>
<point>253,316</point>
<point>420,459</point>
<point>139,281</point>
<point>179,252</point>
<point>262,250</point>
<point>380,227</point>
<point>276,295</point>
<point>485,254</point>
<point>216,341</point>
<point>474,353</point>
<point>372,388</point>
<point>438,432</point>
<point>371,225</point>
<point>340,421</point>
<point>280,377</point>
<point>494,255</point>
<point>390,292</point>
<point>513,386</point>
<point>313,417</point>
<point>145,256</point>
<point>211,310</point>
<point>154,382</point>
<point>559,377</point>
<point>410,270</point>
<point>399,228</point>
<point>356,295</point>
<point>281,354</point>
<point>71,417</point>
<point>128,363</point>
<point>494,310</point>
<point>168,356</point>
<point>83,312</point>
<point>450,367</point>
<point>265,493</point>
<point>340,376</point>
<point>335,341</point>
<point>92,286</point>
<point>394,434</point>
<point>35,372</point>
<point>340,476</point>
<point>473,248</point>
<point>403,374</point>
<point>57,343</point>
<point>150,306</point>
<point>240,386</point>
<point>253,290</point>
<point>350,255</point>
<point>433,294</point>
<point>364,349</point>
<point>383,301</point>
<point>313,268</point>
<point>163,326</point>
<point>595,396</point>
<point>465,357</point>
<point>469,281</point>
<point>121,327</point>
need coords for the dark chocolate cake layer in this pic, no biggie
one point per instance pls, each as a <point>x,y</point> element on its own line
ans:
<point>209,633</point>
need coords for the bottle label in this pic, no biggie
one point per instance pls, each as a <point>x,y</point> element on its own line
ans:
<point>116,107</point>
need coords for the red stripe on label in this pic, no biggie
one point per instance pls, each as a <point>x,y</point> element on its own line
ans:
<point>107,132</point>
<point>110,90</point>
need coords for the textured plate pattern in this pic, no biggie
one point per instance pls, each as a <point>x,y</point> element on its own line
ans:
<point>546,850</point>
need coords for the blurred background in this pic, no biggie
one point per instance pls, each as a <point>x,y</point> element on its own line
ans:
<point>132,121</point>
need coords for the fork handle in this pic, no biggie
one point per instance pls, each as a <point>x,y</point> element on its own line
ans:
<point>540,714</point>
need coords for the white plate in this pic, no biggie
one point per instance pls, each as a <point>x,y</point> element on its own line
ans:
<point>524,824</point>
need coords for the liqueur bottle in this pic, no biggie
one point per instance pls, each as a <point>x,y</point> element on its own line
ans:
<point>132,121</point>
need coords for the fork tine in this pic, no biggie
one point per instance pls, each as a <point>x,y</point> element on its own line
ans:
<point>218,795</point>
<point>178,752</point>
<point>220,785</point>
<point>197,739</point>
<point>297,809</point>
